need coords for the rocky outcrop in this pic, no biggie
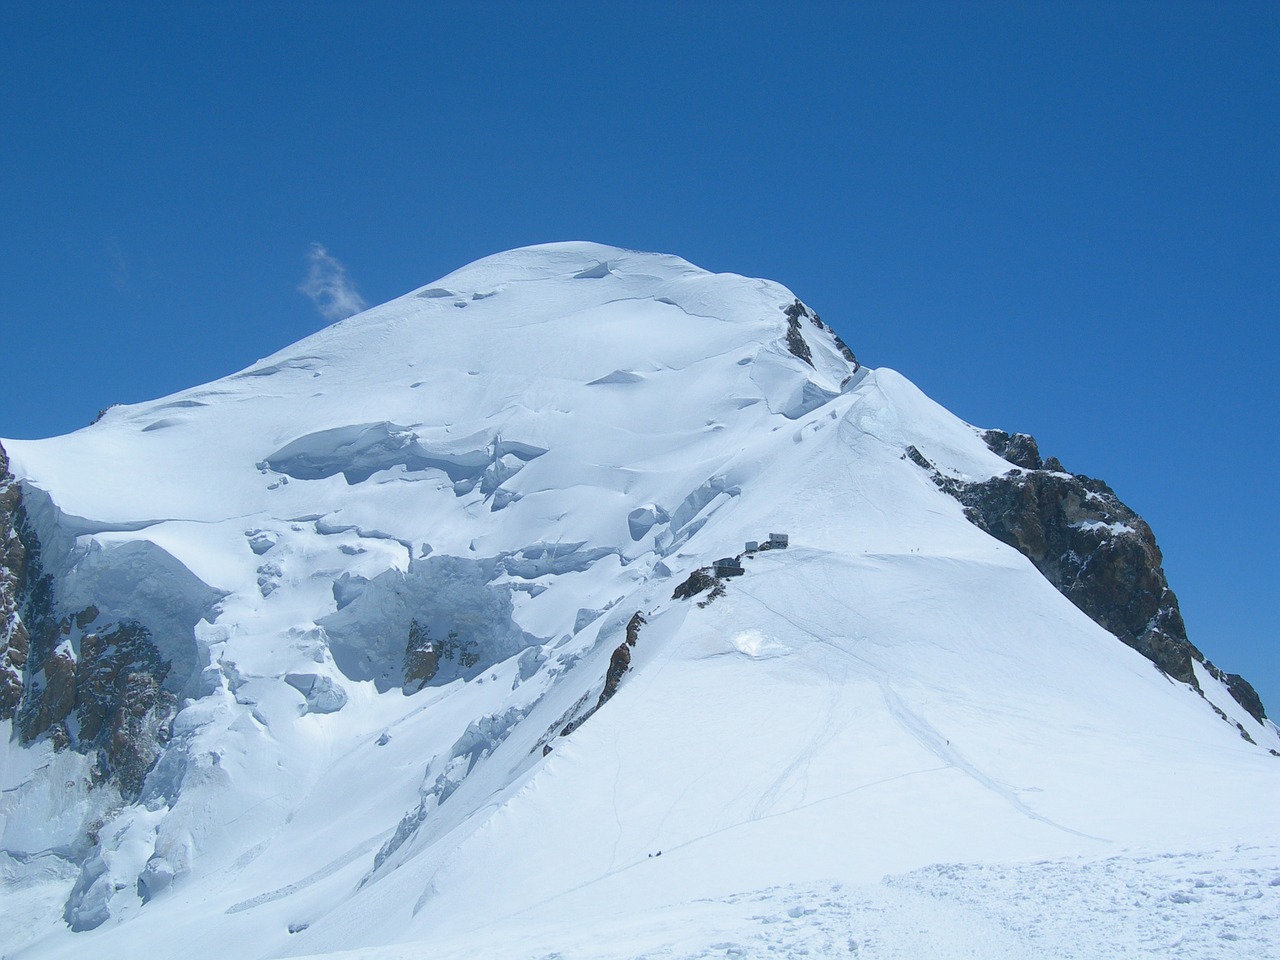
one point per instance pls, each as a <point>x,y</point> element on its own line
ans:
<point>33,661</point>
<point>1095,550</point>
<point>694,584</point>
<point>620,660</point>
<point>633,627</point>
<point>114,691</point>
<point>14,641</point>
<point>619,663</point>
<point>795,338</point>
<point>1243,692</point>
<point>424,657</point>
<point>1020,449</point>
<point>840,344</point>
<point>1092,547</point>
<point>98,691</point>
<point>134,733</point>
<point>421,658</point>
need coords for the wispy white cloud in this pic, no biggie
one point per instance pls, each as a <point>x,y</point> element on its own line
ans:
<point>329,286</point>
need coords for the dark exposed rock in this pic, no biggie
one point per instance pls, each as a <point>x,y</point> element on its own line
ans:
<point>633,627</point>
<point>50,698</point>
<point>1243,692</point>
<point>844,350</point>
<point>139,728</point>
<point>698,581</point>
<point>795,339</point>
<point>424,657</point>
<point>1095,550</point>
<point>619,664</point>
<point>620,661</point>
<point>14,641</point>
<point>114,690</point>
<point>1092,547</point>
<point>715,594</point>
<point>100,692</point>
<point>920,460</point>
<point>103,412</point>
<point>421,658</point>
<point>578,717</point>
<point>108,661</point>
<point>45,632</point>
<point>840,344</point>
<point>1019,449</point>
<point>121,704</point>
<point>703,580</point>
<point>34,659</point>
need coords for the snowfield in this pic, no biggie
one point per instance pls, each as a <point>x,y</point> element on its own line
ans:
<point>892,739</point>
<point>1191,905</point>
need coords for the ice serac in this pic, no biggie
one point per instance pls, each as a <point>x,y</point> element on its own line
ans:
<point>442,625</point>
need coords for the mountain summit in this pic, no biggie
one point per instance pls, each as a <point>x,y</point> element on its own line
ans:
<point>587,602</point>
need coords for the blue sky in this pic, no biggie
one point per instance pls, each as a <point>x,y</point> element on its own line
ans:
<point>1061,219</point>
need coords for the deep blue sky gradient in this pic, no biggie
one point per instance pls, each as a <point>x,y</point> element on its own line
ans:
<point>1062,219</point>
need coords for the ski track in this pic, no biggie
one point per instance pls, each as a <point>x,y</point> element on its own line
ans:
<point>922,731</point>
<point>323,873</point>
<point>929,738</point>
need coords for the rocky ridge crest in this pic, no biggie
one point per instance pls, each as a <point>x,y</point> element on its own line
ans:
<point>1094,549</point>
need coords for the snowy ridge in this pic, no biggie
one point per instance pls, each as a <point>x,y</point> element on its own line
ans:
<point>503,468</point>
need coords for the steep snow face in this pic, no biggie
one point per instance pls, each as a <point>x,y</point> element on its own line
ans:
<point>392,565</point>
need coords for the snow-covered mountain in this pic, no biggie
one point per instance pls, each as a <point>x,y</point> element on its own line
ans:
<point>412,634</point>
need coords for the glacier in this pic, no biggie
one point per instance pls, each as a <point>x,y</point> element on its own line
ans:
<point>359,604</point>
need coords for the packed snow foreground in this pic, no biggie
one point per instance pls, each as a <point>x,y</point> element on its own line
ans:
<point>406,672</point>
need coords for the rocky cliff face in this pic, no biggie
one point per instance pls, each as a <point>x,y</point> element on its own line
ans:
<point>96,687</point>
<point>14,640</point>
<point>1092,547</point>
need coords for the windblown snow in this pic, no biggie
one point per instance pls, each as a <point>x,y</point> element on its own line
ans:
<point>893,738</point>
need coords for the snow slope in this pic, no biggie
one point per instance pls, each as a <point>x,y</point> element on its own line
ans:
<point>526,453</point>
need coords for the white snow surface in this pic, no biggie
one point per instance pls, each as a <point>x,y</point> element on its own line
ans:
<point>893,739</point>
